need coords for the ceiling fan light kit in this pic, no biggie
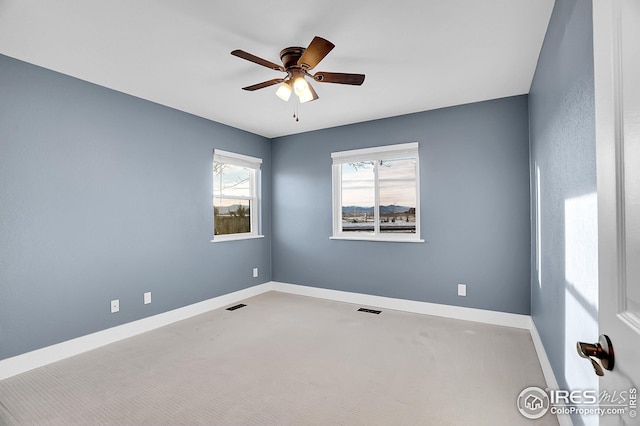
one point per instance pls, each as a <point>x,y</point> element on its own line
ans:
<point>297,62</point>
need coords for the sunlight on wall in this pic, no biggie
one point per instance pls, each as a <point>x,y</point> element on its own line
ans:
<point>581,289</point>
<point>581,245</point>
<point>538,228</point>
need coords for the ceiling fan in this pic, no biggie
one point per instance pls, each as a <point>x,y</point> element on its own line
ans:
<point>297,62</point>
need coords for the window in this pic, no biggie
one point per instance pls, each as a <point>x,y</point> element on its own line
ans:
<point>376,193</point>
<point>236,196</point>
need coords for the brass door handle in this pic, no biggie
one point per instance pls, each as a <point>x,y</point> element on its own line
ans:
<point>600,354</point>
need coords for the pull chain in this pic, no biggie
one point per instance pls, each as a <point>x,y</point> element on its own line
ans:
<point>296,113</point>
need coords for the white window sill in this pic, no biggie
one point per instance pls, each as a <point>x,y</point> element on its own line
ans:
<point>377,239</point>
<point>237,237</point>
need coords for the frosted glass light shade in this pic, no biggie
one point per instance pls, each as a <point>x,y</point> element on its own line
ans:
<point>284,91</point>
<point>300,86</point>
<point>309,95</point>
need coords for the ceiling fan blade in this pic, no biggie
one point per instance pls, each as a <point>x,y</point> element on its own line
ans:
<point>263,84</point>
<point>255,59</point>
<point>317,50</point>
<point>339,77</point>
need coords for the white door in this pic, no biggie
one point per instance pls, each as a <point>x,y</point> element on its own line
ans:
<point>617,102</point>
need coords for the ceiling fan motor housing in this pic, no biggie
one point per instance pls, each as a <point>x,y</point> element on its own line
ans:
<point>290,56</point>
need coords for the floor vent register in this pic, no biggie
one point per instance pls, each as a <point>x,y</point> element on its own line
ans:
<point>233,308</point>
<point>369,311</point>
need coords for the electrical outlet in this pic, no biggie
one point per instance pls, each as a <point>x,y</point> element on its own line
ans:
<point>147,298</point>
<point>462,289</point>
<point>115,306</point>
<point>255,272</point>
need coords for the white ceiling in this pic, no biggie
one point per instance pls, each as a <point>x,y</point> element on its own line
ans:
<point>417,54</point>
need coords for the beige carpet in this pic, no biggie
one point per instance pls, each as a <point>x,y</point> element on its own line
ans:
<point>288,360</point>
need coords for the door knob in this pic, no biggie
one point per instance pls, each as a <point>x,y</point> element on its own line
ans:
<point>600,354</point>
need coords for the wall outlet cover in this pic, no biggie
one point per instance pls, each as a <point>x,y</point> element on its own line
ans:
<point>147,298</point>
<point>115,306</point>
<point>462,289</point>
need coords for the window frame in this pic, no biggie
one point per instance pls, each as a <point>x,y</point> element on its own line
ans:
<point>375,154</point>
<point>254,164</point>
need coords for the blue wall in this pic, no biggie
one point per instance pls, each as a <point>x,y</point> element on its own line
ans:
<point>564,288</point>
<point>105,196</point>
<point>475,215</point>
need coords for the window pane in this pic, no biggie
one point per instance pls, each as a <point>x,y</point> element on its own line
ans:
<point>358,198</point>
<point>397,183</point>
<point>231,216</point>
<point>230,180</point>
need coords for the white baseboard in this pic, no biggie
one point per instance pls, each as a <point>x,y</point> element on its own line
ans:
<point>21,363</point>
<point>448,311</point>
<point>547,371</point>
<point>542,356</point>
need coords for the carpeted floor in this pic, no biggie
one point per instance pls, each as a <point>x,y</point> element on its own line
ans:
<point>288,360</point>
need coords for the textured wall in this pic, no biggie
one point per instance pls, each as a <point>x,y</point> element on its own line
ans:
<point>564,287</point>
<point>105,196</point>
<point>474,162</point>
